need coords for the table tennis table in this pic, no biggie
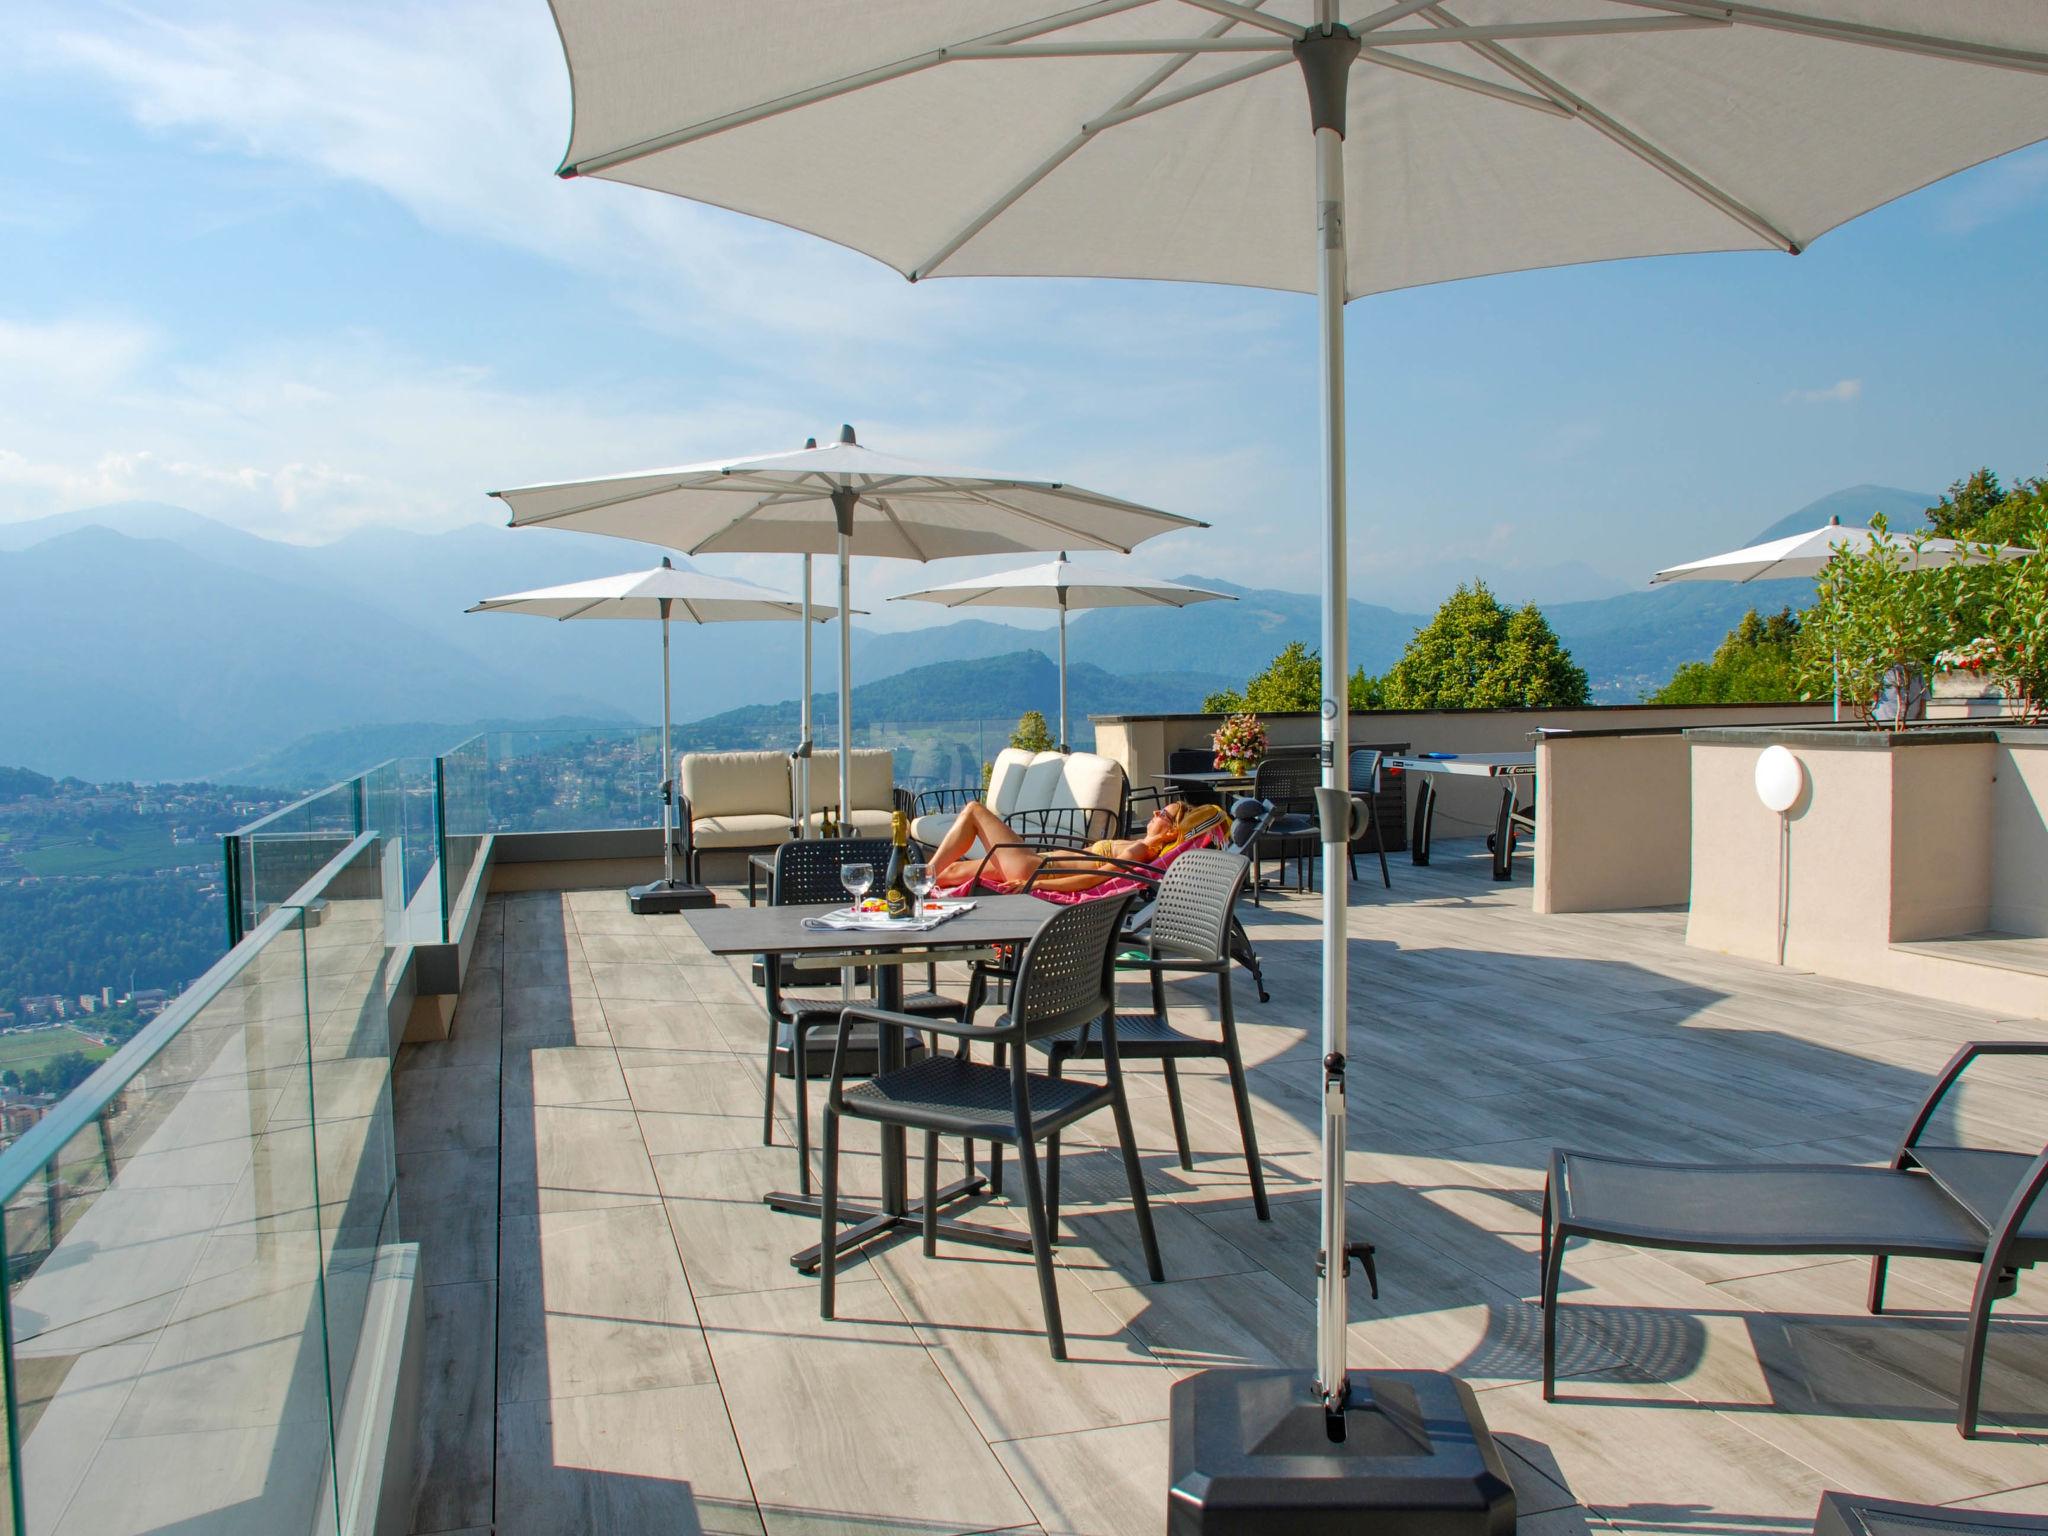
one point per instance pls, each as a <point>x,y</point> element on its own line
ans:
<point>1517,813</point>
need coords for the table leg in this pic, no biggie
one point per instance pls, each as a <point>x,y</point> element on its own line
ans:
<point>1425,819</point>
<point>889,1058</point>
<point>1504,830</point>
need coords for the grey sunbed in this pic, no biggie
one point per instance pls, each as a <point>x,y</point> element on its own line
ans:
<point>1933,1202</point>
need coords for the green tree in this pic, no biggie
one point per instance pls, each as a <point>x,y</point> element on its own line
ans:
<point>1292,681</point>
<point>1876,617</point>
<point>1478,654</point>
<point>1980,510</point>
<point>1759,663</point>
<point>1032,733</point>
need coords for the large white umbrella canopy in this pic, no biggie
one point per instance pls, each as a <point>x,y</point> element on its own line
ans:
<point>1807,554</point>
<point>844,499</point>
<point>1063,586</point>
<point>667,595</point>
<point>1206,140</point>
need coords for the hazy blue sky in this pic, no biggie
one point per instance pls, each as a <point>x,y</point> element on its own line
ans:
<point>305,266</point>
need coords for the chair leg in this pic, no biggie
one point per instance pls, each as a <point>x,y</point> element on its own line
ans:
<point>800,1073</point>
<point>1975,1330</point>
<point>1180,1122</point>
<point>1553,1269</point>
<point>828,1216</point>
<point>1878,1266</point>
<point>1052,1158</point>
<point>931,1194</point>
<point>1041,1238</point>
<point>995,1148</point>
<point>1379,845</point>
<point>1134,1174</point>
<point>1233,1059</point>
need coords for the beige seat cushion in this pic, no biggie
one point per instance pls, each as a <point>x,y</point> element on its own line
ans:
<point>1006,780</point>
<point>1090,781</point>
<point>932,827</point>
<point>874,780</point>
<point>728,784</point>
<point>743,829</point>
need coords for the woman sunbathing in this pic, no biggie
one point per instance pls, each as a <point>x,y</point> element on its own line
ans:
<point>1011,864</point>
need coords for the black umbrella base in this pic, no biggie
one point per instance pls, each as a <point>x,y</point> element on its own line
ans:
<point>669,896</point>
<point>1254,1452</point>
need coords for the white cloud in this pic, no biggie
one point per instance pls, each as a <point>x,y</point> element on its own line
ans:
<point>1841,392</point>
<point>458,113</point>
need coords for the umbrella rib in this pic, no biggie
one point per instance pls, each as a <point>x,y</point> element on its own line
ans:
<point>916,549</point>
<point>1625,138</point>
<point>1388,16</point>
<point>1094,540</point>
<point>1926,44</point>
<point>810,96</point>
<point>1064,153</point>
<point>1407,66</point>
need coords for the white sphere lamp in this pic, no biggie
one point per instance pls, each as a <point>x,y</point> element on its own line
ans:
<point>1780,779</point>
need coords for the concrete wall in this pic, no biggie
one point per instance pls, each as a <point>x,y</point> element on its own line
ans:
<point>1941,840</point>
<point>1895,840</point>
<point>1827,865</point>
<point>2019,838</point>
<point>1615,830</point>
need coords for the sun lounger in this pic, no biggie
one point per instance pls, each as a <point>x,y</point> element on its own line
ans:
<point>1934,1202</point>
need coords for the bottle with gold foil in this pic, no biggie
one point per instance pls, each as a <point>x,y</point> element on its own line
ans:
<point>895,889</point>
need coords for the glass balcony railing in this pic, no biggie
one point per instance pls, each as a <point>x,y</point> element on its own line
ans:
<point>200,1259</point>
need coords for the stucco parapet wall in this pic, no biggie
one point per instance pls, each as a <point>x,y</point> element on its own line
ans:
<point>1860,739</point>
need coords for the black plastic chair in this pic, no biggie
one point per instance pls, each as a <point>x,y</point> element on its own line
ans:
<point>1365,785</point>
<point>1288,784</point>
<point>1190,934</point>
<point>1066,980</point>
<point>808,871</point>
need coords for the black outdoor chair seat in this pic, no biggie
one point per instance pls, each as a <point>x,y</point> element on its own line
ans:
<point>1761,1208</point>
<point>1966,1204</point>
<point>1138,1036</point>
<point>960,1097</point>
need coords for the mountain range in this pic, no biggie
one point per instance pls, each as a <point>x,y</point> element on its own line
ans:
<point>147,641</point>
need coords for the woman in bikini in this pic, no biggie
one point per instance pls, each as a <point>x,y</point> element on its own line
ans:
<point>1012,864</point>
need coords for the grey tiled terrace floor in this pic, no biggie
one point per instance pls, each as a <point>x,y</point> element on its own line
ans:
<point>616,1341</point>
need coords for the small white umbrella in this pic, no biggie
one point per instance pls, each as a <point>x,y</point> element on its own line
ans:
<point>844,499</point>
<point>665,594</point>
<point>1062,585</point>
<point>1807,554</point>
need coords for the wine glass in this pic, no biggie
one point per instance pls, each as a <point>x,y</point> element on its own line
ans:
<point>858,879</point>
<point>918,876</point>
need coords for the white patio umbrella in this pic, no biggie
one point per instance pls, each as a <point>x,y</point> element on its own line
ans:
<point>1807,554</point>
<point>843,499</point>
<point>1205,140</point>
<point>1062,585</point>
<point>665,594</point>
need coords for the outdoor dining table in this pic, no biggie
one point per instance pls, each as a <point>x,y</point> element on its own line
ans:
<point>1211,781</point>
<point>780,932</point>
<point>1512,769</point>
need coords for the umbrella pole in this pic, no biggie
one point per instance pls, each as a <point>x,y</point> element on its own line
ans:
<point>803,749</point>
<point>1838,684</point>
<point>1332,1380</point>
<point>1063,671</point>
<point>668,791</point>
<point>843,503</point>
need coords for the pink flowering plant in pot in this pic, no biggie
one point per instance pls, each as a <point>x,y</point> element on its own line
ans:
<point>1239,743</point>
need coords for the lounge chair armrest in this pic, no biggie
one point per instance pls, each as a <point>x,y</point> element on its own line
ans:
<point>1948,1078</point>
<point>2024,1195</point>
<point>862,1014</point>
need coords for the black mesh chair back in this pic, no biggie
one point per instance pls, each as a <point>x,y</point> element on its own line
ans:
<point>807,870</point>
<point>1289,782</point>
<point>1190,760</point>
<point>1067,976</point>
<point>1365,771</point>
<point>1191,919</point>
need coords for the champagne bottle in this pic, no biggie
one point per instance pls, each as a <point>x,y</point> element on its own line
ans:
<point>827,826</point>
<point>895,891</point>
